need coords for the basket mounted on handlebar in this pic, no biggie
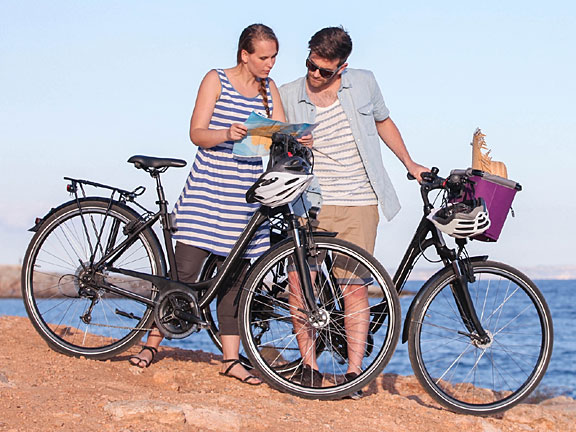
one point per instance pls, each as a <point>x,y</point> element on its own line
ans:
<point>497,192</point>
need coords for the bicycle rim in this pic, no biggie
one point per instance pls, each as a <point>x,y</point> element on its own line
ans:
<point>465,375</point>
<point>272,324</point>
<point>86,319</point>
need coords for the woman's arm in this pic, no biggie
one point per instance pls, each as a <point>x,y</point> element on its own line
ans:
<point>208,94</point>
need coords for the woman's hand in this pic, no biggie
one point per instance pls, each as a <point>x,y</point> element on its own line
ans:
<point>236,132</point>
<point>306,140</point>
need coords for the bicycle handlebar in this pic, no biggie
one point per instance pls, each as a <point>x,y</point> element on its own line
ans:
<point>454,184</point>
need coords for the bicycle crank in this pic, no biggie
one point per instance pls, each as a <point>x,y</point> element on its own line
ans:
<point>177,314</point>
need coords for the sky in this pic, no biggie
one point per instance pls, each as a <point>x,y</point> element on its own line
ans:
<point>85,85</point>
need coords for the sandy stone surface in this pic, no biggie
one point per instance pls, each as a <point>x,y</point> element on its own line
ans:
<point>41,390</point>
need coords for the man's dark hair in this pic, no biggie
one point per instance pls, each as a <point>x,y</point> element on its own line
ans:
<point>331,43</point>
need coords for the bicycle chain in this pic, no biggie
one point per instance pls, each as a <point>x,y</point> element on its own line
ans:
<point>122,327</point>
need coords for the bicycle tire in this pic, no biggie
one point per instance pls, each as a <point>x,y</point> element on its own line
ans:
<point>267,326</point>
<point>465,376</point>
<point>57,258</point>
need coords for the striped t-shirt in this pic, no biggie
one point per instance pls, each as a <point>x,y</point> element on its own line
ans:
<point>212,210</point>
<point>337,163</point>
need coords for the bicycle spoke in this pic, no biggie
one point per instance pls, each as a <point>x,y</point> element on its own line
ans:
<point>280,329</point>
<point>68,300</point>
<point>479,376</point>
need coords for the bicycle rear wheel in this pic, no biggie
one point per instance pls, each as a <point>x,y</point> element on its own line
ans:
<point>65,294</point>
<point>272,325</point>
<point>457,370</point>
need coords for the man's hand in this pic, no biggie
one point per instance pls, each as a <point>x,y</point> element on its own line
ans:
<point>306,140</point>
<point>416,170</point>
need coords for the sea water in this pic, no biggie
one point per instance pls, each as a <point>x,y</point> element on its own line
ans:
<point>560,295</point>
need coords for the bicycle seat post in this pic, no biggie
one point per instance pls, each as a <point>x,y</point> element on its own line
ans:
<point>165,221</point>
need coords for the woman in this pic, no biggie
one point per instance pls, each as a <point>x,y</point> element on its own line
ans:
<point>212,211</point>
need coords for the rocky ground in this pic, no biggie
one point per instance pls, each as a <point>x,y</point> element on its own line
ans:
<point>41,390</point>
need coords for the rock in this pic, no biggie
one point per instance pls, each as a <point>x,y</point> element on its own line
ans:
<point>10,281</point>
<point>4,381</point>
<point>560,403</point>
<point>146,411</point>
<point>213,419</point>
<point>533,415</point>
<point>166,379</point>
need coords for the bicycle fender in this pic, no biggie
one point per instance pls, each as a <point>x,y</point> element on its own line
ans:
<point>40,220</point>
<point>422,290</point>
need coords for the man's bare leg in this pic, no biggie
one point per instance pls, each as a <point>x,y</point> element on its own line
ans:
<point>305,333</point>
<point>357,323</point>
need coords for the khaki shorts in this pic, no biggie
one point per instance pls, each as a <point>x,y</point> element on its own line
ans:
<point>356,224</point>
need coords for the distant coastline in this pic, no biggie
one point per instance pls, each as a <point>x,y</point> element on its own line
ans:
<point>541,272</point>
<point>10,276</point>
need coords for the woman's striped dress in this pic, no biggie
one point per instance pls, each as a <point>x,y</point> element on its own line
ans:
<point>212,210</point>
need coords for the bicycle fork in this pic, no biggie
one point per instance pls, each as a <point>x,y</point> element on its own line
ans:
<point>463,272</point>
<point>301,243</point>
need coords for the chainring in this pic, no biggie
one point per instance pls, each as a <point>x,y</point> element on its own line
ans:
<point>177,314</point>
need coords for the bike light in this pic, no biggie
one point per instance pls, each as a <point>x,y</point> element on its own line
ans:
<point>71,187</point>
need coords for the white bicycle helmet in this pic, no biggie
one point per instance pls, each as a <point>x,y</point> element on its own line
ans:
<point>282,183</point>
<point>462,219</point>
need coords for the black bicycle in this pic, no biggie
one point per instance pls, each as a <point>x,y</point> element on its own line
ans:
<point>95,278</point>
<point>479,332</point>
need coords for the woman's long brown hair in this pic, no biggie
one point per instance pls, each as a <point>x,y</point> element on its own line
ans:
<point>246,42</point>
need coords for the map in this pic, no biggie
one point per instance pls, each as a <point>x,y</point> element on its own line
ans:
<point>260,130</point>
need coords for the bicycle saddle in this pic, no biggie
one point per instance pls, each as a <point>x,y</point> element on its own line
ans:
<point>145,162</point>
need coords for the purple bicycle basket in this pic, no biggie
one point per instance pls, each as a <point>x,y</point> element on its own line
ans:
<point>498,193</point>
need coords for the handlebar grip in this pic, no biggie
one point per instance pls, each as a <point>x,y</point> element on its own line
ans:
<point>410,176</point>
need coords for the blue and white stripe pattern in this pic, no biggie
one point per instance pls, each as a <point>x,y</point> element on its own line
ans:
<point>337,163</point>
<point>212,210</point>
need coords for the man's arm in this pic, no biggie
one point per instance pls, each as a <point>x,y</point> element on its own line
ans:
<point>391,136</point>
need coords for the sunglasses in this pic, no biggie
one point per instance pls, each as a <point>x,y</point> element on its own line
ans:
<point>324,73</point>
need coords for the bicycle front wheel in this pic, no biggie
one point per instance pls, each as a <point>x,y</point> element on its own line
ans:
<point>459,371</point>
<point>355,327</point>
<point>65,293</point>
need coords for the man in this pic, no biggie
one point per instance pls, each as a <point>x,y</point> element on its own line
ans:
<point>351,115</point>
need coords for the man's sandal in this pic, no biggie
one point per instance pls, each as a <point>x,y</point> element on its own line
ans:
<point>140,362</point>
<point>234,362</point>
<point>358,393</point>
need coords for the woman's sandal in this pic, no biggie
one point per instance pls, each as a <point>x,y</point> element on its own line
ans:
<point>234,362</point>
<point>137,361</point>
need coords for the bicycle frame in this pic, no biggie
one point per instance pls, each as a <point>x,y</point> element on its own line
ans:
<point>450,257</point>
<point>230,265</point>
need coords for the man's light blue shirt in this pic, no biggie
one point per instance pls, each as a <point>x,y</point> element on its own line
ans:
<point>364,105</point>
